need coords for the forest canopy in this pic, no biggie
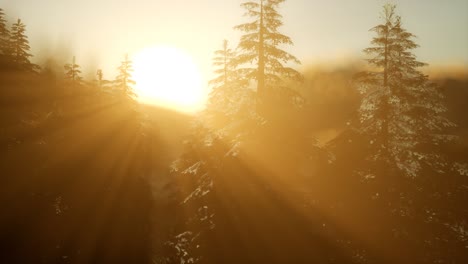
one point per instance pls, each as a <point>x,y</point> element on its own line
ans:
<point>365,162</point>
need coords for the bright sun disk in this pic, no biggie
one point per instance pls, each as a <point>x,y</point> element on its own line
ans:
<point>168,77</point>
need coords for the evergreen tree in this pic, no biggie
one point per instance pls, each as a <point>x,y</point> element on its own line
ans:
<point>4,35</point>
<point>401,111</point>
<point>403,171</point>
<point>123,81</point>
<point>19,46</point>
<point>72,73</point>
<point>261,43</point>
<point>225,73</point>
<point>230,94</point>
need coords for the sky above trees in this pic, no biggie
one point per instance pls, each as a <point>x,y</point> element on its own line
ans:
<point>98,32</point>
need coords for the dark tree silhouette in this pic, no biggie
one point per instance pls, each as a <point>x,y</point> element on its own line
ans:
<point>261,44</point>
<point>123,81</point>
<point>19,46</point>
<point>4,35</point>
<point>72,73</point>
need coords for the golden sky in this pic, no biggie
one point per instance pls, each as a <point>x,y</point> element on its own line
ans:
<point>100,32</point>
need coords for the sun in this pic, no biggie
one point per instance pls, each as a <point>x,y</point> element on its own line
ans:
<point>168,77</point>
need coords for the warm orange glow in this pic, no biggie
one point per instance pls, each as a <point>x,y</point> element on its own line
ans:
<point>168,77</point>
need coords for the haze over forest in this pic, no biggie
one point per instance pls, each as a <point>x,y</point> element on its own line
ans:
<point>99,33</point>
<point>262,131</point>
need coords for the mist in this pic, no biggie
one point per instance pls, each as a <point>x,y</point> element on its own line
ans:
<point>361,159</point>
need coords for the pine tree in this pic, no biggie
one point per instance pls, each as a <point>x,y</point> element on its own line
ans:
<point>261,43</point>
<point>405,173</point>
<point>72,73</point>
<point>225,73</point>
<point>19,46</point>
<point>123,82</point>
<point>401,111</point>
<point>230,94</point>
<point>4,35</point>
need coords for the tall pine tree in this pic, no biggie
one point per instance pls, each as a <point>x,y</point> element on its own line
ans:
<point>4,35</point>
<point>19,47</point>
<point>406,175</point>
<point>261,44</point>
<point>401,111</point>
